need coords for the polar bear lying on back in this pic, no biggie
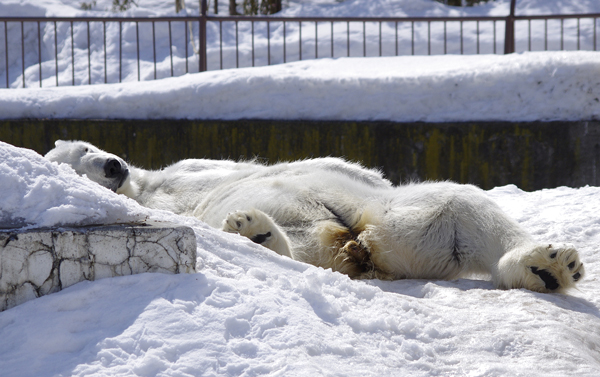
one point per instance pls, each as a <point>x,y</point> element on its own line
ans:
<point>339,215</point>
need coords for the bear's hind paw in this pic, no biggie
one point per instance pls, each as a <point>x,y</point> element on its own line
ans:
<point>554,268</point>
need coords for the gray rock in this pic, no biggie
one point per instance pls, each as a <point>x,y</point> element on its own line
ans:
<point>36,262</point>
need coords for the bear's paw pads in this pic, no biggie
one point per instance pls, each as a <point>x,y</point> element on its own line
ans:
<point>252,224</point>
<point>554,268</point>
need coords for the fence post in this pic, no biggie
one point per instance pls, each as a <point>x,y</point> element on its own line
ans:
<point>202,47</point>
<point>509,33</point>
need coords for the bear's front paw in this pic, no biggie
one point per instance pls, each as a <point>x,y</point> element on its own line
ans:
<point>252,224</point>
<point>554,268</point>
<point>259,228</point>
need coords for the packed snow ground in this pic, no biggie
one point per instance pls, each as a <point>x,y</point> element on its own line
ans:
<point>248,311</point>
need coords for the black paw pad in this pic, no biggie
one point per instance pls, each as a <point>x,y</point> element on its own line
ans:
<point>260,238</point>
<point>549,280</point>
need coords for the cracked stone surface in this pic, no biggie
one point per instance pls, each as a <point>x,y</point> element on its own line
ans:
<point>36,262</point>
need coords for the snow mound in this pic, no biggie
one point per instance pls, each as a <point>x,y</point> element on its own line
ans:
<point>36,192</point>
<point>518,87</point>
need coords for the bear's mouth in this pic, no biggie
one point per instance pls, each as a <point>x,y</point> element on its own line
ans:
<point>124,177</point>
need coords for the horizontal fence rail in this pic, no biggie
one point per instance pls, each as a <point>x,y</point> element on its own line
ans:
<point>61,51</point>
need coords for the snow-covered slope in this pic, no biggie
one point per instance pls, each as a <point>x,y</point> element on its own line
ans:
<point>251,312</point>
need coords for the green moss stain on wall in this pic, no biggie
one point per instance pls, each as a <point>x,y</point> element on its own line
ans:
<point>309,143</point>
<point>452,159</point>
<point>525,153</point>
<point>26,134</point>
<point>482,153</point>
<point>356,143</point>
<point>466,157</point>
<point>530,155</point>
<point>433,143</point>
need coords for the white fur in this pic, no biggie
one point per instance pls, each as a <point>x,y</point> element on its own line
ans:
<point>87,160</point>
<point>336,214</point>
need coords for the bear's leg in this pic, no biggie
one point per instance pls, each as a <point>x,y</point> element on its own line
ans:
<point>542,268</point>
<point>458,229</point>
<point>260,228</point>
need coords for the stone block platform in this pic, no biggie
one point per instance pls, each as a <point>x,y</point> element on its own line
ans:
<point>36,262</point>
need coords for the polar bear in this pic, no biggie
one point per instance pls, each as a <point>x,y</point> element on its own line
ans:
<point>336,214</point>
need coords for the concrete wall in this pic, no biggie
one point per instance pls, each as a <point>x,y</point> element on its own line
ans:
<point>531,155</point>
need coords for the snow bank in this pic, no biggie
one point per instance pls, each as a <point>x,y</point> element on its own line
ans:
<point>520,87</point>
<point>39,193</point>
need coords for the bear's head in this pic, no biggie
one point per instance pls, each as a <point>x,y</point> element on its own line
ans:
<point>87,160</point>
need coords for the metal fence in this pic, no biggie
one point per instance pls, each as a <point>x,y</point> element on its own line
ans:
<point>59,51</point>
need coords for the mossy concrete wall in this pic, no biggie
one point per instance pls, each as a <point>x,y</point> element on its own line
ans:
<point>530,155</point>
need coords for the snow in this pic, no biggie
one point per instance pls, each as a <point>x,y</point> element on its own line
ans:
<point>520,87</point>
<point>526,86</point>
<point>248,311</point>
<point>39,193</point>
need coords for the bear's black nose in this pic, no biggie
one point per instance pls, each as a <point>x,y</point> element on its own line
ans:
<point>112,168</point>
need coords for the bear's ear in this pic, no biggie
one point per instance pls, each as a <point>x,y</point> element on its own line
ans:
<point>59,142</point>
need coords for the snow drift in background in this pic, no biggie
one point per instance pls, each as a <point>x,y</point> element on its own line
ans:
<point>167,49</point>
<point>519,87</point>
